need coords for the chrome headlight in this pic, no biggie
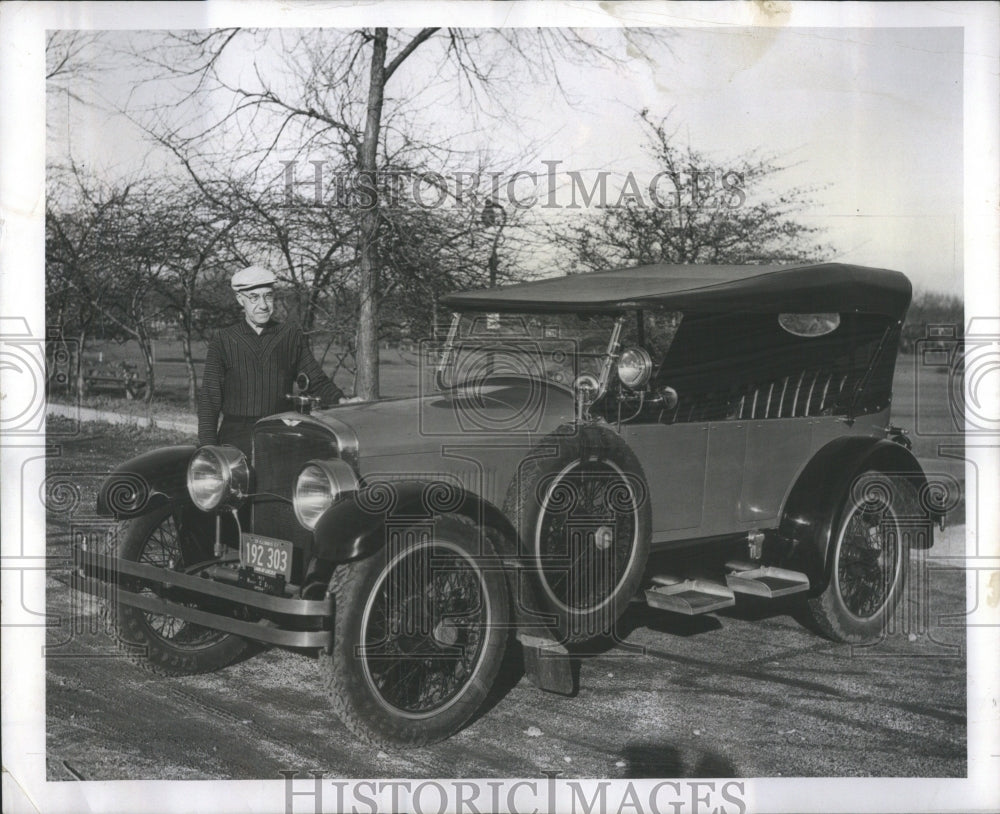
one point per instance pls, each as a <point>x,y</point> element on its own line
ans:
<point>218,477</point>
<point>634,367</point>
<point>318,485</point>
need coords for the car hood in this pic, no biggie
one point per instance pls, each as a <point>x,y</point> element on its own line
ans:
<point>516,410</point>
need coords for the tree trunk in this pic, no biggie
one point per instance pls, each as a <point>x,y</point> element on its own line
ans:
<point>186,347</point>
<point>367,350</point>
<point>307,319</point>
<point>147,356</point>
<point>189,364</point>
<point>81,385</point>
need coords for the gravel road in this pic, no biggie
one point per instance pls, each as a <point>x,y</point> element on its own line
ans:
<point>746,692</point>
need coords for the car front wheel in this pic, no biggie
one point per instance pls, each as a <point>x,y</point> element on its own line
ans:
<point>158,642</point>
<point>420,633</point>
<point>869,563</point>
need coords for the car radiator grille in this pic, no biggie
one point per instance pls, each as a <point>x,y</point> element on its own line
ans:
<point>279,451</point>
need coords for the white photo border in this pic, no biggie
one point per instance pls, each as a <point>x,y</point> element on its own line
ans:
<point>22,186</point>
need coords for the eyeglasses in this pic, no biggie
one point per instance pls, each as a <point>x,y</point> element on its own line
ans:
<point>255,298</point>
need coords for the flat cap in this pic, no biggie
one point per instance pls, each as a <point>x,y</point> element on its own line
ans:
<point>252,277</point>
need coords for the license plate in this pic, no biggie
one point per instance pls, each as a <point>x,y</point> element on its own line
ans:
<point>266,555</point>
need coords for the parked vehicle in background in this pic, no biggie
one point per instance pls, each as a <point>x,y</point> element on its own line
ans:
<point>733,420</point>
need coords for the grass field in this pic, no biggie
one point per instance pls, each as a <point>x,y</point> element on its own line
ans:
<point>923,398</point>
<point>399,369</point>
<point>927,403</point>
<point>917,388</point>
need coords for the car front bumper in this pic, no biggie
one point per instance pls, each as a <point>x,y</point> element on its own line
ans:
<point>279,620</point>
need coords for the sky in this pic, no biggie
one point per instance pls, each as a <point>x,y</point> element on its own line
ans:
<point>873,116</point>
<point>869,119</point>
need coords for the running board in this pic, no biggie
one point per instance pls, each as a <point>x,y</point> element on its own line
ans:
<point>764,580</point>
<point>689,596</point>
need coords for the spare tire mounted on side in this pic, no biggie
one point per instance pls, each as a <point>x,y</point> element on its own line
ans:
<point>581,507</point>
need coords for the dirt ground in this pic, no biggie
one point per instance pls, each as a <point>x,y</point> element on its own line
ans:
<point>745,692</point>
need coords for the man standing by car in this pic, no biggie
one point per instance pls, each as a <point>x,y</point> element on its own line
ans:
<point>250,366</point>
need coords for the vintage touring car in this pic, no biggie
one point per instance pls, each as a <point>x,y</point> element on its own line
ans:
<point>674,435</point>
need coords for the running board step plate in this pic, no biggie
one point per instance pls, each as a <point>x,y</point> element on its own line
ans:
<point>765,580</point>
<point>691,597</point>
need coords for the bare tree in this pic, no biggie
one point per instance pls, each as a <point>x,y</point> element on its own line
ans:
<point>699,211</point>
<point>329,91</point>
<point>195,247</point>
<point>71,256</point>
<point>105,247</point>
<point>72,57</point>
<point>381,70</point>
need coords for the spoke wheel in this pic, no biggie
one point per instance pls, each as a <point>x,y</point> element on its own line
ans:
<point>585,536</point>
<point>868,563</point>
<point>159,642</point>
<point>420,633</point>
<point>583,519</point>
<point>424,628</point>
<point>162,548</point>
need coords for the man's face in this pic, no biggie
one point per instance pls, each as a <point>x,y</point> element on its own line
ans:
<point>258,305</point>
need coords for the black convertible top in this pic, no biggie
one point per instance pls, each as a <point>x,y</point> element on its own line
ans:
<point>814,288</point>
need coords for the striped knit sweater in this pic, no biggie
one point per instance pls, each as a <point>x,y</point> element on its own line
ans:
<point>248,375</point>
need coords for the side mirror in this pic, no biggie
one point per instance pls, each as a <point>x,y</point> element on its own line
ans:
<point>302,382</point>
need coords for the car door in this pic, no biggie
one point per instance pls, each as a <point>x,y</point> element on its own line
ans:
<point>776,450</point>
<point>674,460</point>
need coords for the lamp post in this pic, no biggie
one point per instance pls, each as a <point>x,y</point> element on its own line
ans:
<point>494,215</point>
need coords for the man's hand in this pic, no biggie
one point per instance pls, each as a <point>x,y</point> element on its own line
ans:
<point>350,400</point>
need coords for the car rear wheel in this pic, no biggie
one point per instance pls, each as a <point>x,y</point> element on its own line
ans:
<point>583,518</point>
<point>420,633</point>
<point>868,565</point>
<point>157,642</point>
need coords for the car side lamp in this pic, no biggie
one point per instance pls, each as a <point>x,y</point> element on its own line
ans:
<point>586,390</point>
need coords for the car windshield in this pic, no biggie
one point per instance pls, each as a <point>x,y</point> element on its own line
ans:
<point>556,348</point>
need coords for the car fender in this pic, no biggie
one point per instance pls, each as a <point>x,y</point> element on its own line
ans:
<point>813,505</point>
<point>146,482</point>
<point>356,525</point>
